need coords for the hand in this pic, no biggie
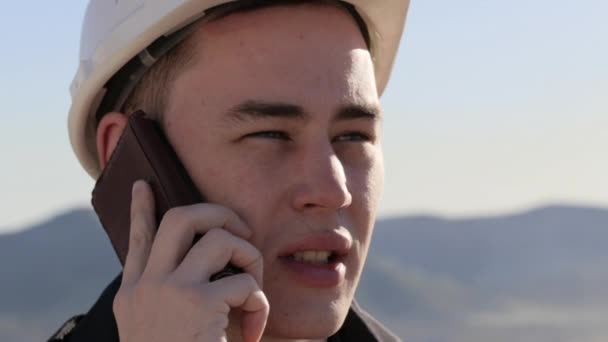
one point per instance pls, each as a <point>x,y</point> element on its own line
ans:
<point>165,294</point>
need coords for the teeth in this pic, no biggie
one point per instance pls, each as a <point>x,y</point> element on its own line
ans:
<point>314,257</point>
<point>323,255</point>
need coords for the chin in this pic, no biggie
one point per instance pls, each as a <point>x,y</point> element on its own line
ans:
<point>307,317</point>
<point>303,327</point>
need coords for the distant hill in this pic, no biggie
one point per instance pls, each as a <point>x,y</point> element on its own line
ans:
<point>537,276</point>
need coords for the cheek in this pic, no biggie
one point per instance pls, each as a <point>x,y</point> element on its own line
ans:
<point>258,172</point>
<point>365,175</point>
<point>248,183</point>
<point>376,177</point>
<point>365,181</point>
<point>239,181</point>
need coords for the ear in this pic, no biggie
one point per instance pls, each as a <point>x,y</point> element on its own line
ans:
<point>109,130</point>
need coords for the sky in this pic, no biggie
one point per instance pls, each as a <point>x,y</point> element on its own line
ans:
<point>494,107</point>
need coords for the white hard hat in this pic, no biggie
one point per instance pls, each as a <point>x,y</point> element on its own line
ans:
<point>114,32</point>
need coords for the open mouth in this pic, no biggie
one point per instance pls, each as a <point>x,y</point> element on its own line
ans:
<point>318,261</point>
<point>314,257</point>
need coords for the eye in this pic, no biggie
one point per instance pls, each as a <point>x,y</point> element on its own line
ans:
<point>352,136</point>
<point>269,135</point>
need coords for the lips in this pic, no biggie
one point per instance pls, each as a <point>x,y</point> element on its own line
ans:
<point>317,260</point>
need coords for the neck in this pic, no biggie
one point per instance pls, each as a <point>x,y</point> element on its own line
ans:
<point>233,334</point>
<point>272,339</point>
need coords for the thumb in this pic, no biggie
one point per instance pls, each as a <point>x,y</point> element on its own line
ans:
<point>254,318</point>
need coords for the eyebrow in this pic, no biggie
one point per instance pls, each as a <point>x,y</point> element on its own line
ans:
<point>255,109</point>
<point>371,112</point>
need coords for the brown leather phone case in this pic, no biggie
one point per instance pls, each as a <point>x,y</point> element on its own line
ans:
<point>142,153</point>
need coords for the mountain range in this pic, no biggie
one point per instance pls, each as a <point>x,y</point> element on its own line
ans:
<point>538,275</point>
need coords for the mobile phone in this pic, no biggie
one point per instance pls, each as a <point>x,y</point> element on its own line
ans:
<point>143,152</point>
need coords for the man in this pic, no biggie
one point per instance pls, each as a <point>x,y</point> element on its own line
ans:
<point>273,108</point>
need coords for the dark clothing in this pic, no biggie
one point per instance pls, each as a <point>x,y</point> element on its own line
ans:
<point>98,325</point>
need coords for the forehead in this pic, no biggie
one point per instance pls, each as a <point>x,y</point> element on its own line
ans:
<point>287,52</point>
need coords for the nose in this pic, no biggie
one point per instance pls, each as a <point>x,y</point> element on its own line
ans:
<point>320,183</point>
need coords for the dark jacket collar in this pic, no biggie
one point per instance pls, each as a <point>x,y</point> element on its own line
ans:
<point>98,325</point>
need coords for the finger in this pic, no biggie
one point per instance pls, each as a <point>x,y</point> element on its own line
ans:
<point>178,228</point>
<point>142,231</point>
<point>242,291</point>
<point>213,252</point>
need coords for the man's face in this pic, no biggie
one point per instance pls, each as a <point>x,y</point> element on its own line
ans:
<point>278,119</point>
